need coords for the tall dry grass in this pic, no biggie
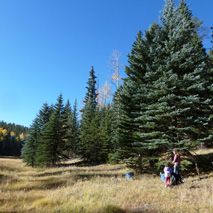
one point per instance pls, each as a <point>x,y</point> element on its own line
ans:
<point>97,189</point>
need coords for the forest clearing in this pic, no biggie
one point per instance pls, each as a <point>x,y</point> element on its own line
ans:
<point>157,104</point>
<point>101,188</point>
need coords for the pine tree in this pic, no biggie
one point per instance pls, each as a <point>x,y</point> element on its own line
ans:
<point>186,74</point>
<point>91,95</point>
<point>53,137</point>
<point>69,114</point>
<point>89,147</point>
<point>135,130</point>
<point>29,149</point>
<point>31,146</point>
<point>44,114</point>
<point>170,76</point>
<point>106,133</point>
<point>75,129</point>
<point>211,50</point>
<point>72,138</point>
<point>114,113</point>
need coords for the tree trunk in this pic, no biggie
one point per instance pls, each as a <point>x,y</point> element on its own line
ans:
<point>195,162</point>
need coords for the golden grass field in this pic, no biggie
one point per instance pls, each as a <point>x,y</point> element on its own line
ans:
<point>102,188</point>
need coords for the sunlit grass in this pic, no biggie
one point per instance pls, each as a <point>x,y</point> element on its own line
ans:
<point>203,151</point>
<point>102,188</point>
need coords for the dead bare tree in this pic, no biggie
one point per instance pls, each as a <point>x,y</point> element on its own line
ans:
<point>104,94</point>
<point>116,66</point>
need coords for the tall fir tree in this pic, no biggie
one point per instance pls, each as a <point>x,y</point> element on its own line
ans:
<point>69,114</point>
<point>170,75</point>
<point>188,74</point>
<point>211,50</point>
<point>53,137</point>
<point>89,146</point>
<point>31,146</point>
<point>91,95</point>
<point>29,149</point>
<point>134,100</point>
<point>75,128</point>
<point>106,133</point>
<point>72,139</point>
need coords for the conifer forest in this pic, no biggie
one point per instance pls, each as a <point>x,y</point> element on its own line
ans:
<point>165,102</point>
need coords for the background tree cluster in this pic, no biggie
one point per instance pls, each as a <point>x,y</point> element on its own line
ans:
<point>56,134</point>
<point>53,135</point>
<point>11,139</point>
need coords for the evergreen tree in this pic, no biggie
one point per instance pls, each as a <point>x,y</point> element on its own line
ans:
<point>186,75</point>
<point>91,95</point>
<point>89,147</point>
<point>75,129</point>
<point>31,148</point>
<point>134,100</point>
<point>72,138</point>
<point>170,76</point>
<point>106,132</point>
<point>69,135</point>
<point>211,50</point>
<point>53,137</point>
<point>44,114</point>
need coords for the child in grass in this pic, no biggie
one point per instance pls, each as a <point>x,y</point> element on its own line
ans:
<point>167,174</point>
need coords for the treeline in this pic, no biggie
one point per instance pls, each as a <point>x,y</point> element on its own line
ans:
<point>57,133</point>
<point>165,103</point>
<point>53,135</point>
<point>11,138</point>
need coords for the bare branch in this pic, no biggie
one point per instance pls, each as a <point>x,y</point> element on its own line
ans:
<point>115,66</point>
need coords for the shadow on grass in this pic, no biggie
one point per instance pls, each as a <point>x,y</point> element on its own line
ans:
<point>88,174</point>
<point>42,185</point>
<point>10,157</point>
<point>112,209</point>
<point>73,171</point>
<point>89,165</point>
<point>54,183</point>
<point>205,162</point>
<point>7,179</point>
<point>78,164</point>
<point>9,169</point>
<point>83,163</point>
<point>205,165</point>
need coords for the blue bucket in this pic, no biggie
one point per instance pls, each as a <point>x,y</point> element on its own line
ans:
<point>129,175</point>
<point>162,177</point>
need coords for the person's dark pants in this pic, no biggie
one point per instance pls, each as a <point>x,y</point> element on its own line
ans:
<point>177,169</point>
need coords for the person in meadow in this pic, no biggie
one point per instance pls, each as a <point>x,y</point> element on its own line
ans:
<point>176,162</point>
<point>167,174</point>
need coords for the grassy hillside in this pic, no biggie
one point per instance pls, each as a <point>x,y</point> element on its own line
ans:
<point>102,188</point>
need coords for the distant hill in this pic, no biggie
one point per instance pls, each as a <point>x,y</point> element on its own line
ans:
<point>11,138</point>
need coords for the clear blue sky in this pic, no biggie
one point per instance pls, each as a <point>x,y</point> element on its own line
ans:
<point>47,47</point>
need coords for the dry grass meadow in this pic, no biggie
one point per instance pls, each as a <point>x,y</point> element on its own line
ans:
<point>102,188</point>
